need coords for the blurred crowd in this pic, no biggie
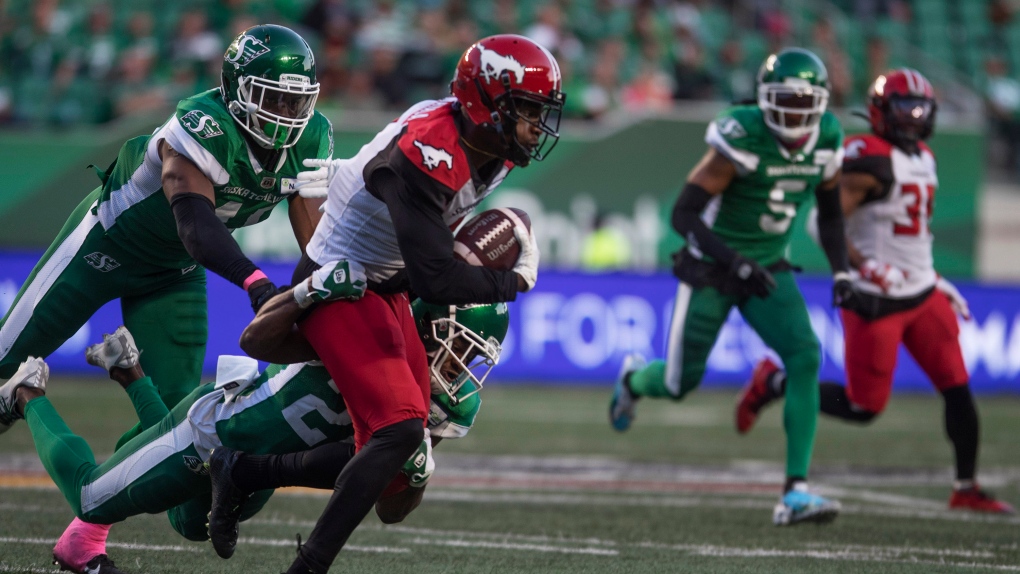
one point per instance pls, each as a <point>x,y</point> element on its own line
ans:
<point>68,62</point>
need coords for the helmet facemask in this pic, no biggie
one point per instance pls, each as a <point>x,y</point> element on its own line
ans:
<point>461,356</point>
<point>792,109</point>
<point>514,106</point>
<point>909,119</point>
<point>275,113</point>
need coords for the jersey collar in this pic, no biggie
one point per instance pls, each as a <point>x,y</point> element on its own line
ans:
<point>804,150</point>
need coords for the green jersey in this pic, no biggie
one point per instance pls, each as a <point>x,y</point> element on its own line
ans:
<point>134,210</point>
<point>753,215</point>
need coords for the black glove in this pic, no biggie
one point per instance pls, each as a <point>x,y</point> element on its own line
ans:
<point>843,292</point>
<point>259,295</point>
<point>753,278</point>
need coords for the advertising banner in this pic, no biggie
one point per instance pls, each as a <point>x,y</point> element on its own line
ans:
<point>575,328</point>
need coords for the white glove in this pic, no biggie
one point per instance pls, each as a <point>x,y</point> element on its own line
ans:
<point>421,465</point>
<point>314,184</point>
<point>957,301</point>
<point>334,281</point>
<point>882,274</point>
<point>527,261</point>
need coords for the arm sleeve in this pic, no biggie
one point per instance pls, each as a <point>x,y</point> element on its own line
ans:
<point>426,245</point>
<point>688,223</point>
<point>207,239</point>
<point>830,228</point>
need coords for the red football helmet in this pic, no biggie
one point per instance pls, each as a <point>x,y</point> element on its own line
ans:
<point>506,78</point>
<point>901,107</point>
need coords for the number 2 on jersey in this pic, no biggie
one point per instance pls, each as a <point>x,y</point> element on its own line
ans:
<point>917,223</point>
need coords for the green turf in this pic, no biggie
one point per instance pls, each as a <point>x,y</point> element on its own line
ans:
<point>892,478</point>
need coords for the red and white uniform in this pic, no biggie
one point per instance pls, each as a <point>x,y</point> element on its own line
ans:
<point>357,224</point>
<point>391,208</point>
<point>892,227</point>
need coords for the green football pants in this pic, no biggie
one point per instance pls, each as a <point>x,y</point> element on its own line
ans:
<point>781,320</point>
<point>159,470</point>
<point>82,270</point>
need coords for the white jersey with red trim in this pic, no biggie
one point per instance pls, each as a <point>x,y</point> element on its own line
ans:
<point>356,224</point>
<point>892,224</point>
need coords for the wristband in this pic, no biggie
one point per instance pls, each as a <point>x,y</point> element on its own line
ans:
<point>255,276</point>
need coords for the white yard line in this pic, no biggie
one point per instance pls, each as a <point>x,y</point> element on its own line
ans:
<point>515,546</point>
<point>854,553</point>
<point>284,542</point>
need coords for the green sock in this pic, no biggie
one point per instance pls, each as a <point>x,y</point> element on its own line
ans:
<point>148,405</point>
<point>650,381</point>
<point>800,419</point>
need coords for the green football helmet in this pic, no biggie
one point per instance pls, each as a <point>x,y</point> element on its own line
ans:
<point>463,344</point>
<point>793,92</point>
<point>269,84</point>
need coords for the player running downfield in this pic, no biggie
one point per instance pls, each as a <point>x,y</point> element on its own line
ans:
<point>391,209</point>
<point>888,189</point>
<point>764,164</point>
<point>165,209</point>
<point>285,409</point>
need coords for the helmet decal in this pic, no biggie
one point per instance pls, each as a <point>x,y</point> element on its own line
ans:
<point>433,156</point>
<point>493,65</point>
<point>245,53</point>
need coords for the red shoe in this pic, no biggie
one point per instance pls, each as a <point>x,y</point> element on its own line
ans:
<point>755,395</point>
<point>975,499</point>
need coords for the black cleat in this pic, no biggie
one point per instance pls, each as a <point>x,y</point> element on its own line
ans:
<point>99,565</point>
<point>227,501</point>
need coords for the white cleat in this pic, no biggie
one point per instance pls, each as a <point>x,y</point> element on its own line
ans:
<point>33,373</point>
<point>118,349</point>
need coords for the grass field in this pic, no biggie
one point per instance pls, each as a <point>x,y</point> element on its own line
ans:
<point>542,484</point>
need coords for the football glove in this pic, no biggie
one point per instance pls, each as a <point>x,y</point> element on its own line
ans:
<point>315,183</point>
<point>260,294</point>
<point>331,282</point>
<point>755,279</point>
<point>527,261</point>
<point>957,301</point>
<point>884,275</point>
<point>420,466</point>
<point>842,290</point>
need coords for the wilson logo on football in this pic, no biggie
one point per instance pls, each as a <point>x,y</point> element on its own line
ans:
<point>432,156</point>
<point>201,124</point>
<point>494,64</point>
<point>101,262</point>
<point>248,48</point>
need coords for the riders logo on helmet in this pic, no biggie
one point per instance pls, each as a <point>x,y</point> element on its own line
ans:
<point>248,48</point>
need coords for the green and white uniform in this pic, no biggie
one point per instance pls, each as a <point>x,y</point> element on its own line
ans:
<point>121,242</point>
<point>753,216</point>
<point>287,408</point>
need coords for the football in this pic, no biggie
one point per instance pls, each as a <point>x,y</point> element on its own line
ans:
<point>488,239</point>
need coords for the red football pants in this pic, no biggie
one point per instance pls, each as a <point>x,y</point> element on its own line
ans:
<point>372,350</point>
<point>930,333</point>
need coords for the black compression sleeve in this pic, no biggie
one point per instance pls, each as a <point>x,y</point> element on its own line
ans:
<point>830,228</point>
<point>687,222</point>
<point>207,240</point>
<point>426,246</point>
